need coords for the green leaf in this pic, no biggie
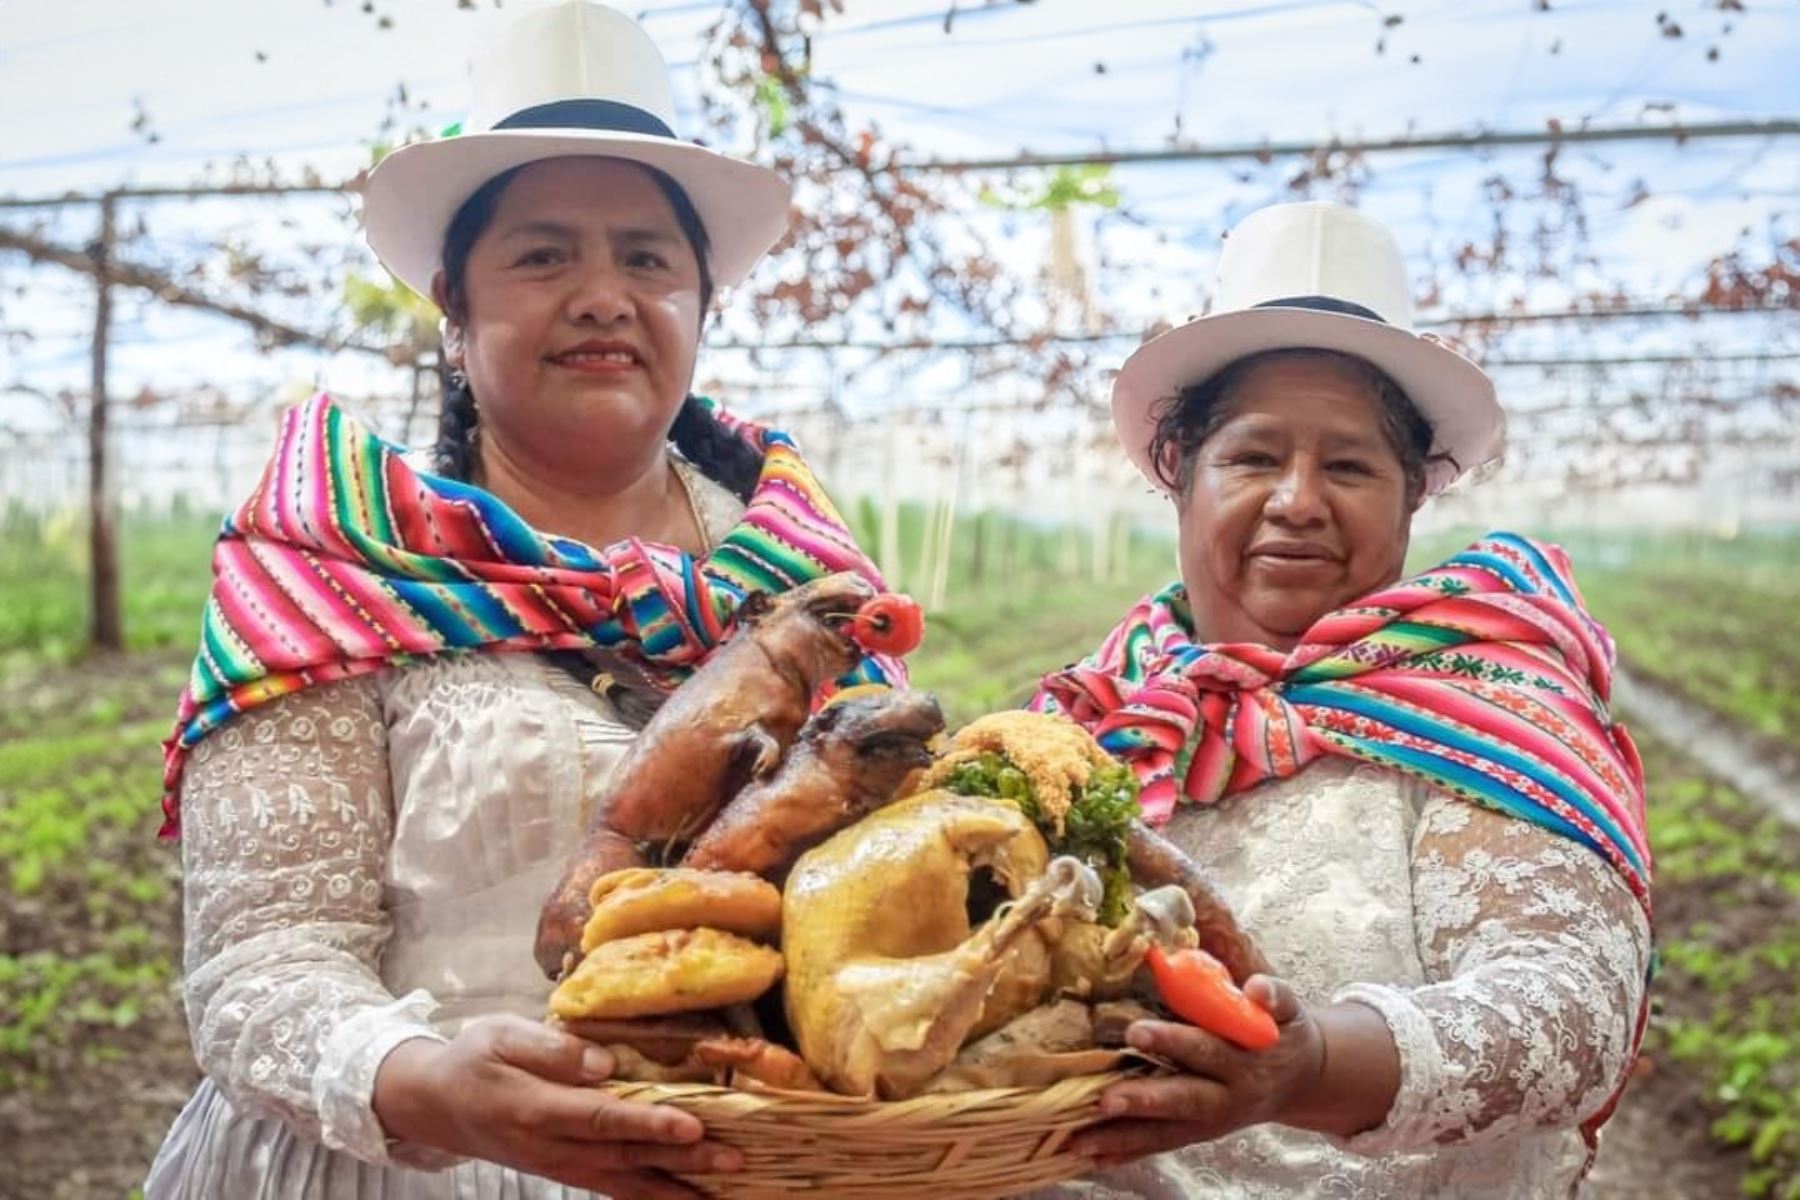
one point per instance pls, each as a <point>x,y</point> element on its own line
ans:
<point>1088,183</point>
<point>1063,188</point>
<point>772,98</point>
<point>1768,1139</point>
<point>390,308</point>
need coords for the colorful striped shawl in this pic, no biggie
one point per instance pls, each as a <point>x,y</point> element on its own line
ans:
<point>345,560</point>
<point>1484,677</point>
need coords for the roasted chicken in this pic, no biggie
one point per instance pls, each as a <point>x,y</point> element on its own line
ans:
<point>1093,962</point>
<point>885,979</point>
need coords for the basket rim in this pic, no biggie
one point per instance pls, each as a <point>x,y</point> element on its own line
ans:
<point>949,1101</point>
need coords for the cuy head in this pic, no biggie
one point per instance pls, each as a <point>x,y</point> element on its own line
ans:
<point>887,727</point>
<point>804,631</point>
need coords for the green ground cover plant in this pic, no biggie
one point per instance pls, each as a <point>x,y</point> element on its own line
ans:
<point>1728,913</point>
<point>43,578</point>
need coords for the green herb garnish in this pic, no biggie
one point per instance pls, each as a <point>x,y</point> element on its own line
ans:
<point>1094,828</point>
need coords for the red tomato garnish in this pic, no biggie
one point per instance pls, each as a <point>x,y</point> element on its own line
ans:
<point>1198,989</point>
<point>889,624</point>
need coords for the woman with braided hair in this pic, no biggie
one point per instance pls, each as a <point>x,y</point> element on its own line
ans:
<point>405,701</point>
<point>1410,791</point>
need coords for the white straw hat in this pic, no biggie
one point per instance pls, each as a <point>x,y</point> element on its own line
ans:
<point>576,78</point>
<point>1319,276</point>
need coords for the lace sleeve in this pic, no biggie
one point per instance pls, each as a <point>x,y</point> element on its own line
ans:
<point>286,820</point>
<point>1536,955</point>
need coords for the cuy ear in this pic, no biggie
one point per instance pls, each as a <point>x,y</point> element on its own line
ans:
<point>754,608</point>
<point>823,721</point>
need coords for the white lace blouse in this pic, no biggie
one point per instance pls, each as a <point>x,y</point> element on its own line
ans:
<point>365,860</point>
<point>1508,963</point>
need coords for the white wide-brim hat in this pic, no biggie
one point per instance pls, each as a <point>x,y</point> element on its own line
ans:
<point>574,79</point>
<point>1325,277</point>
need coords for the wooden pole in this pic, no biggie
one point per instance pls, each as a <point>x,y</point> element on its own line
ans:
<point>1102,547</point>
<point>106,629</point>
<point>929,522</point>
<point>978,551</point>
<point>892,567</point>
<point>412,405</point>
<point>945,545</point>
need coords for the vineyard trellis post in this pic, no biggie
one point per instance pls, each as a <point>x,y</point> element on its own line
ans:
<point>99,261</point>
<point>106,629</point>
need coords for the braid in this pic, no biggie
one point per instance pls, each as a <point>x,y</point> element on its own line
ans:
<point>459,428</point>
<point>717,451</point>
<point>459,420</point>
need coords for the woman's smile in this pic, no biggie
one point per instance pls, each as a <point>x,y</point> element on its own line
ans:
<point>607,358</point>
<point>1292,556</point>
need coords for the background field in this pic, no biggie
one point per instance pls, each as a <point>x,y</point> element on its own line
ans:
<point>90,1021</point>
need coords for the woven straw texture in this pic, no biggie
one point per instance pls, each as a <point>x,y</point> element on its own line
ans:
<point>961,1146</point>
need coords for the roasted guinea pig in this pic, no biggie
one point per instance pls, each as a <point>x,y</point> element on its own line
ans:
<point>885,978</point>
<point>850,759</point>
<point>731,722</point>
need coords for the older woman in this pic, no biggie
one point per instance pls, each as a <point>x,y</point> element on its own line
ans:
<point>398,719</point>
<point>1410,791</point>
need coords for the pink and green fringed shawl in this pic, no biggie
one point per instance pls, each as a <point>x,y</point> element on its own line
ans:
<point>1485,677</point>
<point>345,560</point>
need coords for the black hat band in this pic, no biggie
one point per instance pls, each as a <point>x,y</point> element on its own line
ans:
<point>607,116</point>
<point>1330,304</point>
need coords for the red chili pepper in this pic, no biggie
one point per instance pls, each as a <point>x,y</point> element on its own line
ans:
<point>889,624</point>
<point>1198,989</point>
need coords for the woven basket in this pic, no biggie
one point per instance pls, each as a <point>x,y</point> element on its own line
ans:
<point>957,1146</point>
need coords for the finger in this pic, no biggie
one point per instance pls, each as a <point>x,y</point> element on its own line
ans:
<point>1188,1047</point>
<point>1281,1001</point>
<point>626,1185</point>
<point>1121,1141</point>
<point>588,1115</point>
<point>547,1053</point>
<point>701,1158</point>
<point>1184,1098</point>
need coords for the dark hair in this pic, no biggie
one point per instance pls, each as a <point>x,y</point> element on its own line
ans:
<point>1185,420</point>
<point>717,451</point>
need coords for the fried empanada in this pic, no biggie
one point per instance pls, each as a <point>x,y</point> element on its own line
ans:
<point>641,900</point>
<point>670,971</point>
